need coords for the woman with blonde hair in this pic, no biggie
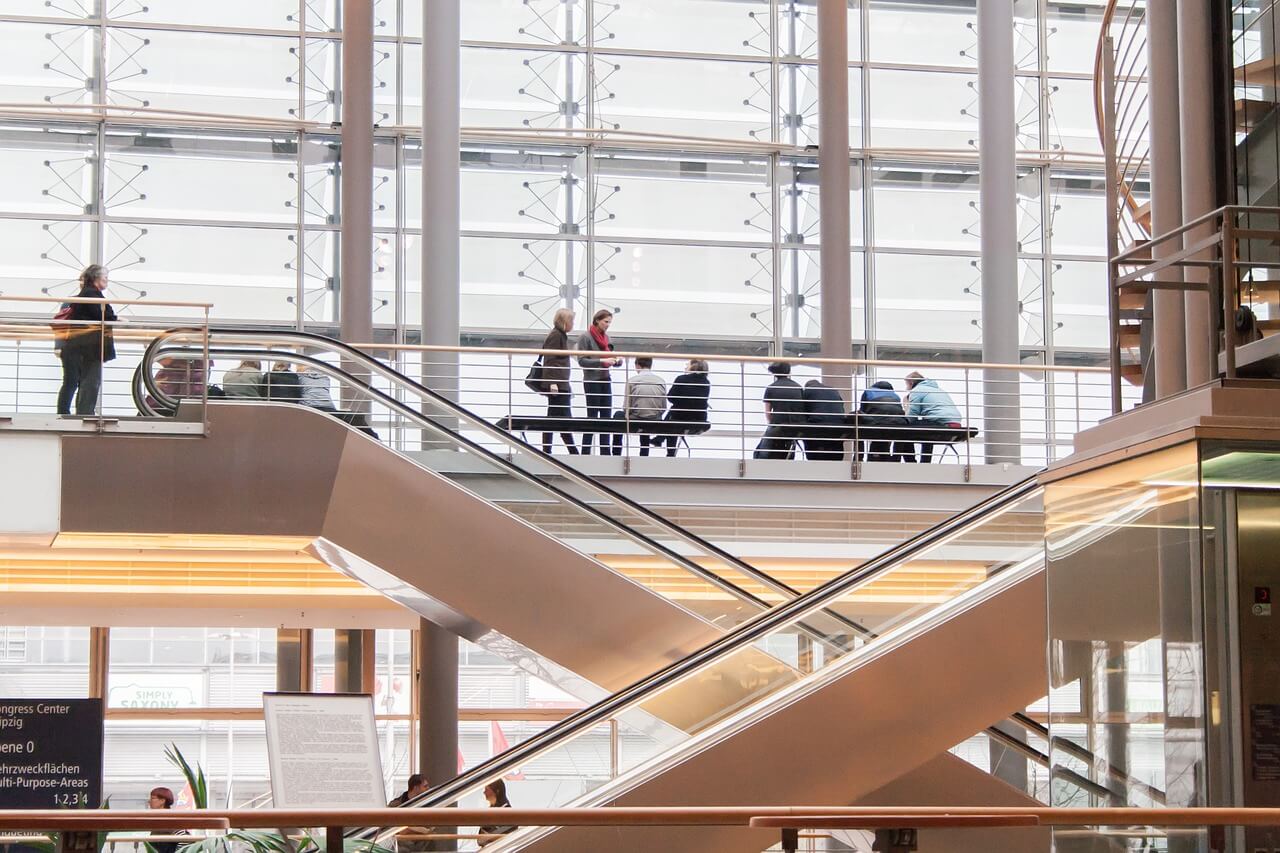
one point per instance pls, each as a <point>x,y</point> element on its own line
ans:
<point>555,372</point>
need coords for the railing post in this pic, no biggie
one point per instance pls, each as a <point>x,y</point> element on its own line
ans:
<point>511,396</point>
<point>742,410</point>
<point>615,749</point>
<point>333,839</point>
<point>626,420</point>
<point>1229,284</point>
<point>208,377</point>
<point>968,445</point>
<point>1113,213</point>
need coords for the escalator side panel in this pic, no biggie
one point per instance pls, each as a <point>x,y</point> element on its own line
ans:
<point>483,562</point>
<point>852,735</point>
<point>267,472</point>
<point>282,470</point>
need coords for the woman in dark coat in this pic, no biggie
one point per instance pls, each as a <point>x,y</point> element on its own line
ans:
<point>495,794</point>
<point>689,397</point>
<point>596,384</point>
<point>87,347</point>
<point>555,372</point>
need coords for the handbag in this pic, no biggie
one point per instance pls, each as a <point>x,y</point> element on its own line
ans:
<point>536,380</point>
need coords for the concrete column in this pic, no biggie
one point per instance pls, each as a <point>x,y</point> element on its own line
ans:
<point>1166,192</point>
<point>1195,88</point>
<point>356,175</point>
<point>441,213</point>
<point>293,660</point>
<point>833,171</point>
<point>354,661</point>
<point>998,205</point>
<point>437,698</point>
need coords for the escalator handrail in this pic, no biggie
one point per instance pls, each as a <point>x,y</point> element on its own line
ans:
<point>568,471</point>
<point>741,636</point>
<point>1080,753</point>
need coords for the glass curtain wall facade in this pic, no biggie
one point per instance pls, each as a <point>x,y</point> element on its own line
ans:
<point>693,214</point>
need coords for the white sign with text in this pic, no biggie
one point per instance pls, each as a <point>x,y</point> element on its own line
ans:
<point>323,751</point>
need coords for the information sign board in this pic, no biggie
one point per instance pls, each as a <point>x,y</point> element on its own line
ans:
<point>50,753</point>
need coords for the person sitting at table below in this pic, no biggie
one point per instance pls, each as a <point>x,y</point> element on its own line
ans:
<point>244,380</point>
<point>689,397</point>
<point>495,793</point>
<point>415,787</point>
<point>929,406</point>
<point>646,400</point>
<point>282,384</point>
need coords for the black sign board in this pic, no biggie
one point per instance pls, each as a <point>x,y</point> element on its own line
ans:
<point>1264,737</point>
<point>50,753</point>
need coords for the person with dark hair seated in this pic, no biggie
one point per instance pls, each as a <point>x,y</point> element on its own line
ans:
<point>880,406</point>
<point>824,419</point>
<point>784,410</point>
<point>689,399</point>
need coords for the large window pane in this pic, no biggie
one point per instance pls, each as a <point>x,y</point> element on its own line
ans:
<point>47,171</point>
<point>518,284</point>
<point>213,177</point>
<point>46,63</point>
<point>696,26</point>
<point>42,258</point>
<point>688,290</point>
<point>923,109</point>
<point>683,197</point>
<point>194,72</point>
<point>924,33</point>
<point>159,668</point>
<point>542,191</point>
<point>1080,304</point>
<point>247,273</point>
<point>522,88</point>
<point>682,96</point>
<point>44,662</point>
<point>927,299</point>
<point>248,14</point>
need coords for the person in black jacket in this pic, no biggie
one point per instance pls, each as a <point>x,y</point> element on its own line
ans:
<point>281,384</point>
<point>689,398</point>
<point>87,347</point>
<point>495,794</point>
<point>555,371</point>
<point>784,409</point>
<point>880,406</point>
<point>824,419</point>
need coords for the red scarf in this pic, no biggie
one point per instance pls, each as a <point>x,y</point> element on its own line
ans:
<point>601,339</point>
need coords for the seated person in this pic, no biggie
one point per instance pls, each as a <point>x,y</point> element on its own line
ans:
<point>282,384</point>
<point>690,398</point>
<point>646,400</point>
<point>824,419</point>
<point>879,406</point>
<point>784,410</point>
<point>244,381</point>
<point>929,406</point>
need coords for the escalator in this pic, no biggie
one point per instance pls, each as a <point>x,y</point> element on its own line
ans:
<point>934,672</point>
<point>401,517</point>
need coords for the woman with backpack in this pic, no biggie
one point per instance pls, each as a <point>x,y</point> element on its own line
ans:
<point>87,346</point>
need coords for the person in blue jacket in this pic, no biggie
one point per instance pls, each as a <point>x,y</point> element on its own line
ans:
<point>880,406</point>
<point>929,406</point>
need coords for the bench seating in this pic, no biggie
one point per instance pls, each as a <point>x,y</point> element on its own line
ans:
<point>613,426</point>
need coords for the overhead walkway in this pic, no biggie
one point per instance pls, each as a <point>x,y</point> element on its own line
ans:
<point>927,676</point>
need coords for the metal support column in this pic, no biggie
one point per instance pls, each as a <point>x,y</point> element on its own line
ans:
<point>1166,192</point>
<point>998,203</point>
<point>355,280</point>
<point>833,171</point>
<point>99,662</point>
<point>441,213</point>
<point>437,699</point>
<point>354,669</point>
<point>1195,88</point>
<point>293,660</point>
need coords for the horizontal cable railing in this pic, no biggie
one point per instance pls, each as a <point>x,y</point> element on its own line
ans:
<point>965,413</point>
